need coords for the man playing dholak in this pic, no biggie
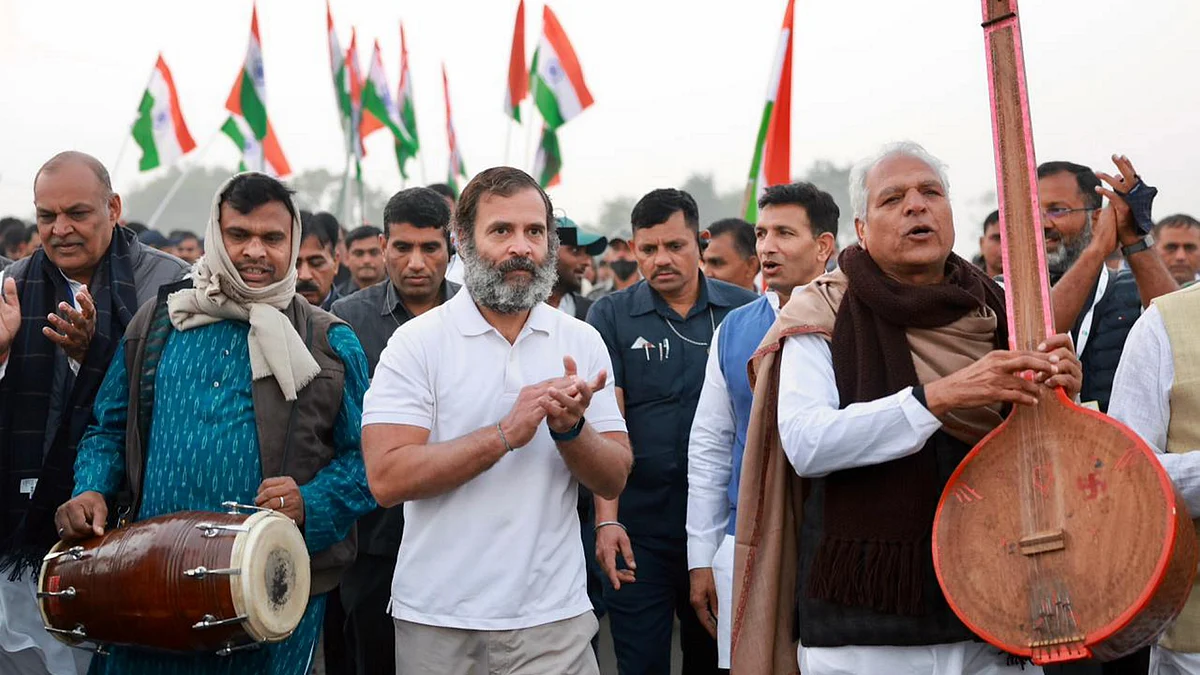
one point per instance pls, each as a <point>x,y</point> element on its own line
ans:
<point>873,384</point>
<point>1157,394</point>
<point>229,359</point>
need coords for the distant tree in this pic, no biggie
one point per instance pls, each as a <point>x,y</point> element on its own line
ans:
<point>614,216</point>
<point>835,180</point>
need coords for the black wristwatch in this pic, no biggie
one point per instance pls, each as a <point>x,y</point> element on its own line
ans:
<point>1138,246</point>
<point>568,435</point>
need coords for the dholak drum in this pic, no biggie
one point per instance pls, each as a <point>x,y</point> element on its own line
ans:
<point>193,581</point>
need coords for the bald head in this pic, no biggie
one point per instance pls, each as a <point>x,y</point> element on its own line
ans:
<point>75,158</point>
<point>77,212</point>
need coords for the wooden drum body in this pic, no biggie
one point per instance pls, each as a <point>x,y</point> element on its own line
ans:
<point>192,581</point>
<point>1111,560</point>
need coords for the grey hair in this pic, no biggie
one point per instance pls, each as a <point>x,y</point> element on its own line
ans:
<point>858,174</point>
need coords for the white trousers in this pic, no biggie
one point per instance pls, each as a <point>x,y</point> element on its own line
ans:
<point>25,646</point>
<point>722,568</point>
<point>959,658</point>
<point>1166,662</point>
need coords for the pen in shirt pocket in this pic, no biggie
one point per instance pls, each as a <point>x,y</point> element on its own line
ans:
<point>666,349</point>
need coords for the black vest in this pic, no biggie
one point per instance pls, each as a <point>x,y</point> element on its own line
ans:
<point>1114,317</point>
<point>825,624</point>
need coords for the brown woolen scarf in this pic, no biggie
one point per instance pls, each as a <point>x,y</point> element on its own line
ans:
<point>877,519</point>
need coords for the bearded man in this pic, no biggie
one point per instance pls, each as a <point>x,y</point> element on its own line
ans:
<point>475,421</point>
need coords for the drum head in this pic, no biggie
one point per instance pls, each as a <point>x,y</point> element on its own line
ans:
<point>272,590</point>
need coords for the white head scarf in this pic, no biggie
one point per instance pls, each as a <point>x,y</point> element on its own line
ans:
<point>219,293</point>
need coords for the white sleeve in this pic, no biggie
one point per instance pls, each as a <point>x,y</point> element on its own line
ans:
<point>710,464</point>
<point>401,391</point>
<point>603,414</point>
<point>1141,399</point>
<point>819,437</point>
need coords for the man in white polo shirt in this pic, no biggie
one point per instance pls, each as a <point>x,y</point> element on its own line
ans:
<point>483,418</point>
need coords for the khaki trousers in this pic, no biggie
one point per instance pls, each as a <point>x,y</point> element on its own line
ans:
<point>561,647</point>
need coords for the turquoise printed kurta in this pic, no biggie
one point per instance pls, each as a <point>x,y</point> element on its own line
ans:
<point>203,450</point>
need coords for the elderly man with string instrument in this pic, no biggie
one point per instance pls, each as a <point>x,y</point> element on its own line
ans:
<point>872,385</point>
<point>232,389</point>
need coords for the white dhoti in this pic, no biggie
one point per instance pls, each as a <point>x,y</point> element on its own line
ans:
<point>25,646</point>
<point>959,658</point>
<point>1166,662</point>
<point>722,568</point>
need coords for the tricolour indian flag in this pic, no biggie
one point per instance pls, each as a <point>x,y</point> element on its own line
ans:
<point>160,130</point>
<point>772,149</point>
<point>547,163</point>
<point>408,113</point>
<point>378,102</point>
<point>556,79</point>
<point>518,77</point>
<point>457,168</point>
<point>341,85</point>
<point>248,107</point>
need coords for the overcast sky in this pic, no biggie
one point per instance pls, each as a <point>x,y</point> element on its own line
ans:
<point>678,84</point>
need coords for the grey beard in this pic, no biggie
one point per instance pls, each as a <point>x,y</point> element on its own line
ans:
<point>487,285</point>
<point>1058,262</point>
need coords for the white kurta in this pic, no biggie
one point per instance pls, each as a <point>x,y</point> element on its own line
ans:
<point>819,438</point>
<point>1141,399</point>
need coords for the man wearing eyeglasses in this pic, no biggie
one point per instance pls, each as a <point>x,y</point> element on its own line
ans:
<point>1096,305</point>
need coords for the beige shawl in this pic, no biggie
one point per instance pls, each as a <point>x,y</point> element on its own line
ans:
<point>770,498</point>
<point>218,293</point>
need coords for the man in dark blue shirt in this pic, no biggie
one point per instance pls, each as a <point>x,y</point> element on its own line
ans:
<point>658,332</point>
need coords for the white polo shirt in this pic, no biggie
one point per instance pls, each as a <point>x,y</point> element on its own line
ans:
<point>501,552</point>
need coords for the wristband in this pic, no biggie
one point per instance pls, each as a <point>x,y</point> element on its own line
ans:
<point>607,523</point>
<point>1138,246</point>
<point>568,435</point>
<point>918,392</point>
<point>507,447</point>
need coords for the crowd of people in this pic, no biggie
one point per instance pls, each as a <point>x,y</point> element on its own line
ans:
<point>495,428</point>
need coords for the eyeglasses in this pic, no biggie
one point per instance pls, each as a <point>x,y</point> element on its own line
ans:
<point>1058,212</point>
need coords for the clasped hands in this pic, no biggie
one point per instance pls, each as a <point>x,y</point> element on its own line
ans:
<point>560,401</point>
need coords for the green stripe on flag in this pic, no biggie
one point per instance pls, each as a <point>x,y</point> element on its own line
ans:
<point>760,146</point>
<point>551,158</point>
<point>547,103</point>
<point>143,133</point>
<point>230,129</point>
<point>253,110</point>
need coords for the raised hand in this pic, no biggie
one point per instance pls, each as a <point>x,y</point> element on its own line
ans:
<point>74,329</point>
<point>10,316</point>
<point>565,405</point>
<point>1117,215</point>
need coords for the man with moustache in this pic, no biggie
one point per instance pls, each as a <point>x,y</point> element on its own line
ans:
<point>871,387</point>
<point>416,250</point>
<point>1096,305</point>
<point>364,258</point>
<point>729,253</point>
<point>658,334</point>
<point>318,264</point>
<point>274,387</point>
<point>575,251</point>
<point>795,235</point>
<point>1177,239</point>
<point>476,422</point>
<point>63,311</point>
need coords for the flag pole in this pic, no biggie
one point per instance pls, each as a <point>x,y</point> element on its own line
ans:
<point>162,206</point>
<point>530,147</point>
<point>362,203</point>
<point>507,141</point>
